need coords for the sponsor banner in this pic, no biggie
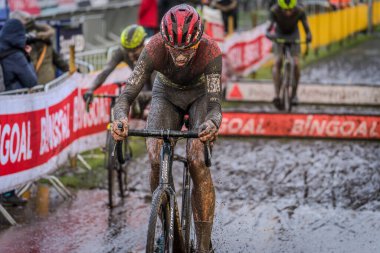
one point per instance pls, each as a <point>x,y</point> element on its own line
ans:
<point>307,93</point>
<point>39,131</point>
<point>247,51</point>
<point>301,125</point>
<point>30,6</point>
<point>214,26</point>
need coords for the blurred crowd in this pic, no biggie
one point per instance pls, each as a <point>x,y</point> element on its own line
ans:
<point>30,57</point>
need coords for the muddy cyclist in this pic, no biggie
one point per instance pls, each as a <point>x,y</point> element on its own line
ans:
<point>285,16</point>
<point>189,66</point>
<point>132,41</point>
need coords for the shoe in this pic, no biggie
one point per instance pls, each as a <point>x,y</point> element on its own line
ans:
<point>277,103</point>
<point>295,100</point>
<point>11,199</point>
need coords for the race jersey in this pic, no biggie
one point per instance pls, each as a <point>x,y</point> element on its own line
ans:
<point>204,69</point>
<point>287,26</point>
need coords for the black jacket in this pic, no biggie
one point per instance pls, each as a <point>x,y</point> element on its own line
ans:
<point>17,70</point>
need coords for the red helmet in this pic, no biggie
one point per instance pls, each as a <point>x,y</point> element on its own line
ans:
<point>181,27</point>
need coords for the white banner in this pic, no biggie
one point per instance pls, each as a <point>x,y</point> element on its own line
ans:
<point>39,131</point>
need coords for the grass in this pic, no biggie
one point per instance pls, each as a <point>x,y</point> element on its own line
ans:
<point>81,178</point>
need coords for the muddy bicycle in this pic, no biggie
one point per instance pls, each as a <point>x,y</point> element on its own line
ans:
<point>288,86</point>
<point>114,167</point>
<point>164,219</point>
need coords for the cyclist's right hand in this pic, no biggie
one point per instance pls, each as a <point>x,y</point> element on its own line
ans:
<point>88,96</point>
<point>120,129</point>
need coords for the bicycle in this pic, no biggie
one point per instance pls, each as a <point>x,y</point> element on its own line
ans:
<point>110,163</point>
<point>164,203</point>
<point>288,75</point>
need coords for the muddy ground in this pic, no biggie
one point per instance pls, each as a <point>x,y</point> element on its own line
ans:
<point>273,195</point>
<point>358,65</point>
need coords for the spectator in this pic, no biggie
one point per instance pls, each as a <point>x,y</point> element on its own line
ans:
<point>45,59</point>
<point>17,69</point>
<point>18,73</point>
<point>148,16</point>
<point>229,8</point>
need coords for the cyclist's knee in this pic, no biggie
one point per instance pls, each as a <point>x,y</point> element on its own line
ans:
<point>195,154</point>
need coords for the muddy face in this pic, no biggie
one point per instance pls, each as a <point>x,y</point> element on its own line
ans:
<point>181,57</point>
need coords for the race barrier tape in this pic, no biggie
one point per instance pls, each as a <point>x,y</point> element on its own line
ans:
<point>39,131</point>
<point>307,93</point>
<point>301,125</point>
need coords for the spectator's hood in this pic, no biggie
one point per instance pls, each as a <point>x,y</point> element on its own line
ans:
<point>12,35</point>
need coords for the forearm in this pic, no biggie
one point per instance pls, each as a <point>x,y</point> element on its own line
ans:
<point>99,80</point>
<point>214,94</point>
<point>306,27</point>
<point>214,113</point>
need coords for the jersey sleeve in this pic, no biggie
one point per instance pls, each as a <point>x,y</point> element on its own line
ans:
<point>304,22</point>
<point>213,75</point>
<point>140,75</point>
<point>108,68</point>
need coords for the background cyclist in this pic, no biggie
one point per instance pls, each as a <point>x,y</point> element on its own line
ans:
<point>189,69</point>
<point>285,16</point>
<point>132,40</point>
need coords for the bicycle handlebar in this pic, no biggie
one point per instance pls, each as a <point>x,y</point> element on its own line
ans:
<point>164,134</point>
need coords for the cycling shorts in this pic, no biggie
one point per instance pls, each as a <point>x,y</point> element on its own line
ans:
<point>170,105</point>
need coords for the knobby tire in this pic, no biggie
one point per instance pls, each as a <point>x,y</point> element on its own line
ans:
<point>110,166</point>
<point>160,206</point>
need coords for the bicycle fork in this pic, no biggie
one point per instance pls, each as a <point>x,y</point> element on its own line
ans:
<point>166,186</point>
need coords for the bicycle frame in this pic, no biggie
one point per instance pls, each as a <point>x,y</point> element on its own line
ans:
<point>166,184</point>
<point>288,79</point>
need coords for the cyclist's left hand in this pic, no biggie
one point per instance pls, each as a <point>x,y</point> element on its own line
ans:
<point>208,131</point>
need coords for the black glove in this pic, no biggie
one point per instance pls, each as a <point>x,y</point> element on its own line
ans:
<point>88,96</point>
<point>308,38</point>
<point>270,36</point>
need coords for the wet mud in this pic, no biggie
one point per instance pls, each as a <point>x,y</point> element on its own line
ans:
<point>358,65</point>
<point>273,195</point>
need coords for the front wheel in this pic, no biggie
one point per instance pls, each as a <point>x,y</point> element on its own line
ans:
<point>287,88</point>
<point>158,240</point>
<point>109,164</point>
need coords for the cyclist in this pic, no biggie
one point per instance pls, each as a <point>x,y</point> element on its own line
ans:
<point>189,66</point>
<point>132,40</point>
<point>285,16</point>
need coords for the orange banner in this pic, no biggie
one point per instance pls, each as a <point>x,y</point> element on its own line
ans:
<point>301,125</point>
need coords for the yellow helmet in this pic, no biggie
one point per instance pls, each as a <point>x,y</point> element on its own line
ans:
<point>132,36</point>
<point>287,4</point>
